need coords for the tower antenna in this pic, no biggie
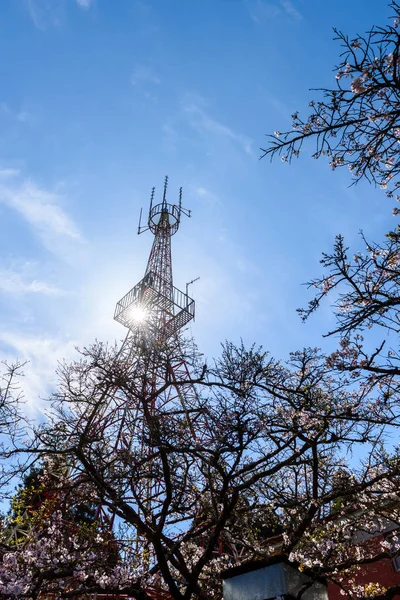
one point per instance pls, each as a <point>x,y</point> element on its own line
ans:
<point>165,191</point>
<point>168,308</point>
<point>190,283</point>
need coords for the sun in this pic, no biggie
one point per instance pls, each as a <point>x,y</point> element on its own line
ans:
<point>138,314</point>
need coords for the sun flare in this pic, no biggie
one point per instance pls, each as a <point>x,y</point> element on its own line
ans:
<point>138,314</point>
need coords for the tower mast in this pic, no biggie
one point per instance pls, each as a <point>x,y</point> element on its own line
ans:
<point>154,309</point>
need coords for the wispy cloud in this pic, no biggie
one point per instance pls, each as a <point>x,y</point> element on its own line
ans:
<point>169,130</point>
<point>8,173</point>
<point>13,282</point>
<point>262,11</point>
<point>46,13</point>
<point>291,10</point>
<point>22,116</point>
<point>202,122</point>
<point>42,354</point>
<point>85,4</point>
<point>143,75</point>
<point>281,107</point>
<point>40,208</point>
<point>208,196</point>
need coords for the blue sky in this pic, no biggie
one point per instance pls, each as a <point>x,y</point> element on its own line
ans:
<point>99,99</point>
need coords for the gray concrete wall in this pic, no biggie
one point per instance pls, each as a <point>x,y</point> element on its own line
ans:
<point>270,582</point>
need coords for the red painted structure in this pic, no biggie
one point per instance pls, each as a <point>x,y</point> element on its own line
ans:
<point>385,572</point>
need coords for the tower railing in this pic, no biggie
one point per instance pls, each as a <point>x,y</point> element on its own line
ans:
<point>178,308</point>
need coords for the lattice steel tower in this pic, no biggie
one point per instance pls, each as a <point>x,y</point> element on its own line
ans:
<point>154,311</point>
<point>154,307</point>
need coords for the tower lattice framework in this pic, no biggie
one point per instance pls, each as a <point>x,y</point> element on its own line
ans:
<point>153,311</point>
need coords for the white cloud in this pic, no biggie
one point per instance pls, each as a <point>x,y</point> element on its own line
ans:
<point>13,282</point>
<point>7,173</point>
<point>46,13</point>
<point>22,116</point>
<point>169,130</point>
<point>85,4</point>
<point>281,107</point>
<point>203,123</point>
<point>142,74</point>
<point>208,196</point>
<point>41,209</point>
<point>262,11</point>
<point>43,354</point>
<point>291,10</point>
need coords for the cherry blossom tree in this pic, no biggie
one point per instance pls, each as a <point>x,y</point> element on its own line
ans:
<point>53,540</point>
<point>356,123</point>
<point>365,292</point>
<point>367,310</point>
<point>257,451</point>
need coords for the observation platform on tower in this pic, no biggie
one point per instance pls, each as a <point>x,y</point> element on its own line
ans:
<point>144,301</point>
